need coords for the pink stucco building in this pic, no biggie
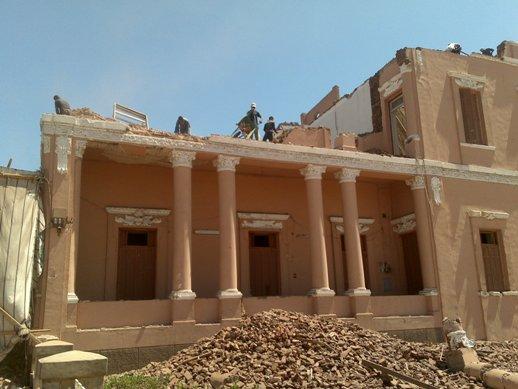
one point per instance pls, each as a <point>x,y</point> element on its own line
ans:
<point>406,211</point>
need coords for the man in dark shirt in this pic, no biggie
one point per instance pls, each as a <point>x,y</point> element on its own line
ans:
<point>255,118</point>
<point>62,107</point>
<point>269,129</point>
<point>182,126</point>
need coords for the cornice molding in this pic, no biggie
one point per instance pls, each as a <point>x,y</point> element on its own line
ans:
<point>138,217</point>
<point>182,158</point>
<point>465,80</point>
<point>110,132</point>
<point>263,216</point>
<point>404,224</point>
<point>488,214</point>
<point>313,172</point>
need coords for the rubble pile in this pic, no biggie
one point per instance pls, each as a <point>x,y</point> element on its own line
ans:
<point>293,350</point>
<point>87,113</point>
<point>503,355</point>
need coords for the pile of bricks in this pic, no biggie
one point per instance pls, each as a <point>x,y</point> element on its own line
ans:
<point>290,350</point>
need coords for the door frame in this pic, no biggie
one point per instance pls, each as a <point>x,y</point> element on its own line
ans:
<point>278,259</point>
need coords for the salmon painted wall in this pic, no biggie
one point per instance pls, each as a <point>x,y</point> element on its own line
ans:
<point>437,108</point>
<point>114,184</point>
<point>459,274</point>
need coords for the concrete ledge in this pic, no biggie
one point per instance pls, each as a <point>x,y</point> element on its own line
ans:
<point>71,365</point>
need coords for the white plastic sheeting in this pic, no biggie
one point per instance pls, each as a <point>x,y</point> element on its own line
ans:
<point>21,223</point>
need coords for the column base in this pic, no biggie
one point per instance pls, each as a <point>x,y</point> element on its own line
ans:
<point>321,292</point>
<point>230,294</point>
<point>184,294</point>
<point>72,298</point>
<point>358,292</point>
<point>429,292</point>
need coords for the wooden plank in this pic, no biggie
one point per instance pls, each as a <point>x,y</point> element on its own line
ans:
<point>393,373</point>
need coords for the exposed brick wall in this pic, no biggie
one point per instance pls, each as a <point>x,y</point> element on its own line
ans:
<point>323,105</point>
<point>377,121</point>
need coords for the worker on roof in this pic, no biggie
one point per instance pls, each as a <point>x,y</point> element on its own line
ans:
<point>269,129</point>
<point>61,105</point>
<point>256,118</point>
<point>182,126</point>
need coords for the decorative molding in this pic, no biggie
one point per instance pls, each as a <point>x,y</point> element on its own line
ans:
<point>63,145</point>
<point>465,80</point>
<point>405,68</point>
<point>72,298</point>
<point>363,224</point>
<point>436,185</point>
<point>313,172</point>
<point>391,86</point>
<point>45,141</point>
<point>417,182</point>
<point>80,147</point>
<point>184,294</point>
<point>226,163</point>
<point>206,232</point>
<point>182,158</point>
<point>404,224</point>
<point>321,292</point>
<point>230,294</point>
<point>138,217</point>
<point>487,214</point>
<point>347,175</point>
<point>358,292</point>
<point>429,292</point>
<point>262,224</point>
<point>263,216</point>
<point>112,132</point>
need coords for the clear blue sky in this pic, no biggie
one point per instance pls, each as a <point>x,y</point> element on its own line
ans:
<point>209,59</point>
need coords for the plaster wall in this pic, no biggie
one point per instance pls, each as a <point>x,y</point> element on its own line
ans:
<point>351,113</point>
<point>113,184</point>
<point>461,276</point>
<point>435,90</point>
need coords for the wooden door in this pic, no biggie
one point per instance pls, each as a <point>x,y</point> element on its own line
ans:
<point>491,255</point>
<point>365,257</point>
<point>136,266</point>
<point>414,278</point>
<point>264,264</point>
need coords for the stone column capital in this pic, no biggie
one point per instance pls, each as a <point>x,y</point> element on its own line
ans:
<point>80,147</point>
<point>418,182</point>
<point>182,158</point>
<point>226,163</point>
<point>347,175</point>
<point>313,172</point>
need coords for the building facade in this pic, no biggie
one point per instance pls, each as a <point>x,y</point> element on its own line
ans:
<point>158,240</point>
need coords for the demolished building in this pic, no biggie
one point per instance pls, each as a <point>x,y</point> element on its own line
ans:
<point>403,212</point>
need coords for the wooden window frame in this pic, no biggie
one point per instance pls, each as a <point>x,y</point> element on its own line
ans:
<point>467,81</point>
<point>388,102</point>
<point>481,224</point>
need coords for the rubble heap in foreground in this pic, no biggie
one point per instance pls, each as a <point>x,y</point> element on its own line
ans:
<point>293,350</point>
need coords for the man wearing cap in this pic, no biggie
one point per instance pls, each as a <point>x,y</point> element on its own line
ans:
<point>255,118</point>
<point>269,129</point>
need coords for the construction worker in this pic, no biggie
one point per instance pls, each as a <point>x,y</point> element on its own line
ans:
<point>255,117</point>
<point>182,126</point>
<point>269,129</point>
<point>61,105</point>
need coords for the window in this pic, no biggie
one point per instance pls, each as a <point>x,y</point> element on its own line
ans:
<point>136,239</point>
<point>398,124</point>
<point>494,264</point>
<point>473,116</point>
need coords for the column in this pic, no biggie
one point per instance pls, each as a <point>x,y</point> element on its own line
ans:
<point>182,225</point>
<point>319,274</point>
<point>58,237</point>
<point>80,146</point>
<point>229,295</point>
<point>353,251</point>
<point>424,236</point>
